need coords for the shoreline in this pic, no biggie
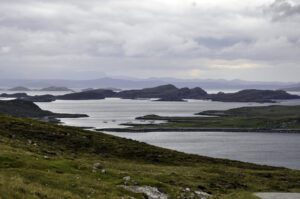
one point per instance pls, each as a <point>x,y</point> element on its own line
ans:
<point>240,130</point>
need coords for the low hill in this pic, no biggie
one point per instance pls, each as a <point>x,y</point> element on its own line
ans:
<point>19,88</point>
<point>253,95</point>
<point>56,88</point>
<point>41,160</point>
<point>164,92</point>
<point>295,89</point>
<point>88,95</point>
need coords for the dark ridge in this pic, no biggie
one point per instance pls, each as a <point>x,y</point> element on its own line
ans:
<point>253,95</point>
<point>27,109</point>
<point>163,92</point>
<point>88,95</point>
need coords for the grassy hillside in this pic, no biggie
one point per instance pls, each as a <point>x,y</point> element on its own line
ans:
<point>41,160</point>
<point>265,117</point>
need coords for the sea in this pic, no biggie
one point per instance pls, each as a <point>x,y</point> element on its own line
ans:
<point>275,149</point>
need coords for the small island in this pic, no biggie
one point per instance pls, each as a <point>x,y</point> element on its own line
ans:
<point>171,93</point>
<point>247,119</point>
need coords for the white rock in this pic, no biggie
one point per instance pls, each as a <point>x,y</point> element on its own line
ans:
<point>202,194</point>
<point>151,192</point>
<point>127,178</point>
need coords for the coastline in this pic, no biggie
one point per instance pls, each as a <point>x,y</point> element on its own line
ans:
<point>240,130</point>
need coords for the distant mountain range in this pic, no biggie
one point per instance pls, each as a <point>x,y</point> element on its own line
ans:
<point>51,88</point>
<point>135,83</point>
<point>293,88</point>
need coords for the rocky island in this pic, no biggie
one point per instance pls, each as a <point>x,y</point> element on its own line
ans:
<point>169,93</point>
<point>247,119</point>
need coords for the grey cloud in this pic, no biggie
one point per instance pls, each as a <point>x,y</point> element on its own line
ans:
<point>144,38</point>
<point>221,43</point>
<point>282,9</point>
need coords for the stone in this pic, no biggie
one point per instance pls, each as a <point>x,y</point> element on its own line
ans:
<point>151,192</point>
<point>127,178</point>
<point>187,189</point>
<point>202,194</point>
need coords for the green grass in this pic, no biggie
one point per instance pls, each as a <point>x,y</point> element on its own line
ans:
<point>41,160</point>
<point>240,195</point>
<point>271,117</point>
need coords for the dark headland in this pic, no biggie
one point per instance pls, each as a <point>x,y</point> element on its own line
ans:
<point>26,109</point>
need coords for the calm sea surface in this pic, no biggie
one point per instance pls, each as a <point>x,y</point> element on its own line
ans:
<point>276,149</point>
<point>112,112</point>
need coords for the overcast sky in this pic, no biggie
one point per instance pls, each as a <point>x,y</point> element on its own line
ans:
<point>84,39</point>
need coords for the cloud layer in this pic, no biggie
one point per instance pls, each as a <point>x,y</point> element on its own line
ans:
<point>247,39</point>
